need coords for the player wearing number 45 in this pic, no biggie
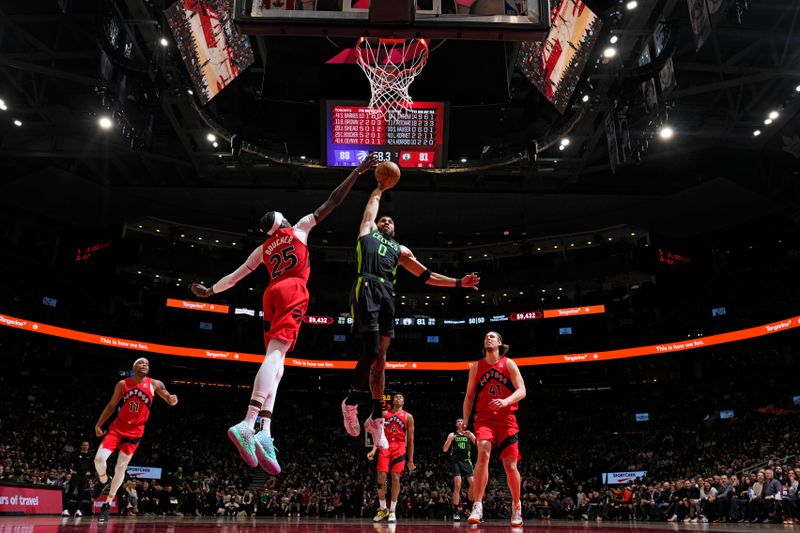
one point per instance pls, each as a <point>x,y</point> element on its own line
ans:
<point>285,254</point>
<point>372,303</point>
<point>134,396</point>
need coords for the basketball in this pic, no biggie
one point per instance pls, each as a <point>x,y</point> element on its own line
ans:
<point>387,174</point>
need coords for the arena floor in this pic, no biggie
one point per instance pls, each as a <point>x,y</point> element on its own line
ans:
<point>296,525</point>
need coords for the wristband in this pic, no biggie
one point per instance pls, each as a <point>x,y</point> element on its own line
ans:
<point>458,282</point>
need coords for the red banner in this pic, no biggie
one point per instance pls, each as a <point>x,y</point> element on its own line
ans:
<point>525,315</point>
<point>661,349</point>
<point>318,320</point>
<point>573,311</point>
<point>197,306</point>
<point>29,500</point>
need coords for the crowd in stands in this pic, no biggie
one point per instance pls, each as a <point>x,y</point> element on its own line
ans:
<point>697,470</point>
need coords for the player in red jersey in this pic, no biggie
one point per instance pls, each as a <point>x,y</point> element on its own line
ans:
<point>135,397</point>
<point>399,430</point>
<point>499,387</point>
<point>285,255</point>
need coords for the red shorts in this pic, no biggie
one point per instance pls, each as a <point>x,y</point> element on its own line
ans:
<point>393,459</point>
<point>285,305</point>
<point>502,432</point>
<point>114,440</point>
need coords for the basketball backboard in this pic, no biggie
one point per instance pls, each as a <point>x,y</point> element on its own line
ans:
<point>505,20</point>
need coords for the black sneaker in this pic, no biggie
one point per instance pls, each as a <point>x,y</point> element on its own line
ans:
<point>104,512</point>
<point>102,488</point>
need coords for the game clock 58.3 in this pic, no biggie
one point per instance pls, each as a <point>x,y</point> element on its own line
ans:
<point>403,158</point>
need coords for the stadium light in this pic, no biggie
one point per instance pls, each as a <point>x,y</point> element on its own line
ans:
<point>585,98</point>
<point>666,132</point>
<point>609,52</point>
<point>756,133</point>
<point>3,105</point>
<point>105,123</point>
<point>614,39</point>
<point>211,137</point>
<point>164,42</point>
<point>773,115</point>
<point>17,122</point>
<point>565,141</point>
<point>768,121</point>
<point>633,4</point>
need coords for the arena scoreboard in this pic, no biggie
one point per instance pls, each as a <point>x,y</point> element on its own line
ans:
<point>412,138</point>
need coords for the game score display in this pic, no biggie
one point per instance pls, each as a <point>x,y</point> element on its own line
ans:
<point>412,138</point>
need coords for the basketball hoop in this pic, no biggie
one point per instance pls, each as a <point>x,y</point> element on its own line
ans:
<point>391,65</point>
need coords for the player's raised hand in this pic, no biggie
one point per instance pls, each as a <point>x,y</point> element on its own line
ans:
<point>371,161</point>
<point>172,400</point>
<point>470,281</point>
<point>201,291</point>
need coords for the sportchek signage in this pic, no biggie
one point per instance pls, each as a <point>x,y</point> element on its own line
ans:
<point>622,478</point>
<point>144,472</point>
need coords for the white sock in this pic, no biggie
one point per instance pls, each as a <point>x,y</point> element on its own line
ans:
<point>382,503</point>
<point>265,385</point>
<point>393,505</point>
<point>477,506</point>
<point>265,424</point>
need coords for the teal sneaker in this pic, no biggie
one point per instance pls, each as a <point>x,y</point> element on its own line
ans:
<point>243,437</point>
<point>266,453</point>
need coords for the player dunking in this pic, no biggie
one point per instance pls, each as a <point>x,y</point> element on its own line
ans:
<point>399,426</point>
<point>372,305</point>
<point>285,254</point>
<point>136,395</point>
<point>458,444</point>
<point>499,387</point>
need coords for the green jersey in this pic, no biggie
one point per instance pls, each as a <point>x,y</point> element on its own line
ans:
<point>460,449</point>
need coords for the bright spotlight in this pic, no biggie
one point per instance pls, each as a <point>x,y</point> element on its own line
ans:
<point>3,105</point>
<point>463,159</point>
<point>561,147</point>
<point>632,5</point>
<point>756,133</point>
<point>565,141</point>
<point>105,123</point>
<point>614,39</point>
<point>666,132</point>
<point>609,52</point>
<point>164,42</point>
<point>773,115</point>
<point>17,122</point>
<point>768,121</point>
<point>585,98</point>
<point>211,137</point>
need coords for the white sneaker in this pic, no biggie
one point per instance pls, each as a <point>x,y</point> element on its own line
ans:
<point>78,513</point>
<point>350,414</point>
<point>673,518</point>
<point>375,429</point>
<point>476,516</point>
<point>381,514</point>
<point>65,513</point>
<point>516,515</point>
<point>392,517</point>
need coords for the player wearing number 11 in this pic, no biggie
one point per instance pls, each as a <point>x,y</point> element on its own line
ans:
<point>285,254</point>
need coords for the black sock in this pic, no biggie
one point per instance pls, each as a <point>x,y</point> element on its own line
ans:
<point>377,409</point>
<point>352,397</point>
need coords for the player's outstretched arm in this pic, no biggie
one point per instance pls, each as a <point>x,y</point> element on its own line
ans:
<point>469,397</point>
<point>161,390</point>
<point>338,195</point>
<point>370,213</point>
<point>412,264</point>
<point>109,409</point>
<point>448,442</point>
<point>225,283</point>
<point>410,446</point>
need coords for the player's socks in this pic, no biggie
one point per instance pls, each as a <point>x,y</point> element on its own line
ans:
<point>383,504</point>
<point>252,412</point>
<point>377,409</point>
<point>393,506</point>
<point>266,422</point>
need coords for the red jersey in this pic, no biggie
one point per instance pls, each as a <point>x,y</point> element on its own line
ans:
<point>493,382</point>
<point>285,256</point>
<point>395,427</point>
<point>137,398</point>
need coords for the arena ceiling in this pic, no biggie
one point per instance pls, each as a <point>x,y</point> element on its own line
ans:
<point>58,74</point>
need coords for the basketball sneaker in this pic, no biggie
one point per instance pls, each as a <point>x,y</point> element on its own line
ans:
<point>516,515</point>
<point>350,414</point>
<point>375,429</point>
<point>266,453</point>
<point>105,511</point>
<point>476,516</point>
<point>392,517</point>
<point>380,515</point>
<point>243,437</point>
<point>456,517</point>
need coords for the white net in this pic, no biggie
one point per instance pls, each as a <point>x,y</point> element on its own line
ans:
<point>391,65</point>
